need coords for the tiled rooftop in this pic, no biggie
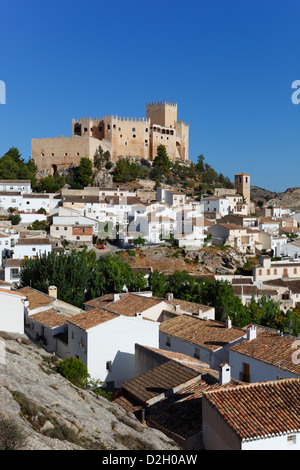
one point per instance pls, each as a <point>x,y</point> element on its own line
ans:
<point>209,334</point>
<point>36,298</point>
<point>50,318</point>
<point>129,304</point>
<point>272,349</point>
<point>92,318</point>
<point>158,381</point>
<point>181,413</point>
<point>260,409</point>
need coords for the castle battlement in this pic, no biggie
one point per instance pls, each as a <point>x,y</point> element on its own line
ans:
<point>161,103</point>
<point>119,136</point>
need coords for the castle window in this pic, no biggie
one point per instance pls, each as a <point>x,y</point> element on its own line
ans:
<point>146,130</point>
<point>146,141</point>
<point>100,128</point>
<point>42,154</point>
<point>119,129</point>
<point>66,154</point>
<point>172,132</point>
<point>126,143</point>
<point>114,126</point>
<point>77,154</point>
<point>108,126</point>
<point>52,154</point>
<point>120,135</point>
<point>134,136</point>
<point>133,129</point>
<point>85,129</point>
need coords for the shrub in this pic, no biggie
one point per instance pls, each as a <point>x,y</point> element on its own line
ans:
<point>15,219</point>
<point>74,370</point>
<point>11,437</point>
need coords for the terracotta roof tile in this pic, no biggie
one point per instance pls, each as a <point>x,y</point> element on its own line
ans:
<point>209,334</point>
<point>270,348</point>
<point>92,318</point>
<point>36,298</point>
<point>158,381</point>
<point>260,409</point>
<point>50,318</point>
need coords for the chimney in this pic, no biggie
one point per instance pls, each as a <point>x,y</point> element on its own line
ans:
<point>169,296</point>
<point>251,332</point>
<point>228,323</point>
<point>116,297</point>
<point>224,373</point>
<point>52,291</point>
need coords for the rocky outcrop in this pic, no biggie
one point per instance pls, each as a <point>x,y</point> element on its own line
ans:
<point>218,261</point>
<point>47,412</point>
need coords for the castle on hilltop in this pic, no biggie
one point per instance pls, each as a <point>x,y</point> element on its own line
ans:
<point>119,136</point>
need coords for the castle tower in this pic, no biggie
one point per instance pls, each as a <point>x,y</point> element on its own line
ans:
<point>242,185</point>
<point>163,113</point>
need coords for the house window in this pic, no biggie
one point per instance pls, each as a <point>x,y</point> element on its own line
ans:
<point>197,353</point>
<point>268,272</point>
<point>108,366</point>
<point>168,341</point>
<point>72,335</point>
<point>275,271</point>
<point>292,439</point>
<point>295,270</point>
<point>260,272</point>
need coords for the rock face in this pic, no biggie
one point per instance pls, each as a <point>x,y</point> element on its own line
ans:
<point>218,262</point>
<point>290,199</point>
<point>49,413</point>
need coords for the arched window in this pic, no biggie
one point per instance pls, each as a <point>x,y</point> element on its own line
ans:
<point>260,272</point>
<point>268,272</point>
<point>275,271</point>
<point>295,270</point>
<point>285,272</point>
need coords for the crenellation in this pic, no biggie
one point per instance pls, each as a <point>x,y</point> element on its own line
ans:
<point>128,136</point>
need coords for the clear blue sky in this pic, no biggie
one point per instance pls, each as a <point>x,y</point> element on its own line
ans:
<point>228,64</point>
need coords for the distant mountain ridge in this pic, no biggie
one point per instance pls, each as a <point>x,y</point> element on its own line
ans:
<point>289,198</point>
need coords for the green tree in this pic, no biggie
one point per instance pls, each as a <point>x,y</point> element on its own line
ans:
<point>162,160</point>
<point>125,171</point>
<point>158,283</point>
<point>139,282</point>
<point>85,172</point>
<point>100,158</point>
<point>15,219</point>
<point>74,370</point>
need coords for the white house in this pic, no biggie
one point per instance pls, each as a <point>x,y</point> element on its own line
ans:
<point>260,416</point>
<point>217,204</point>
<point>173,198</point>
<point>207,340</point>
<point>266,355</point>
<point>12,305</point>
<point>73,228</point>
<point>12,269</point>
<point>105,343</point>
<point>31,248</point>
<point>16,186</point>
